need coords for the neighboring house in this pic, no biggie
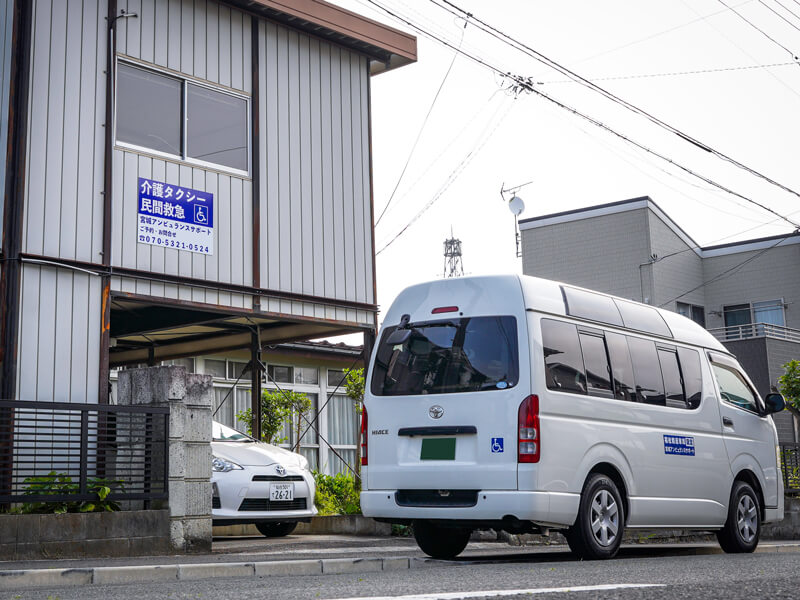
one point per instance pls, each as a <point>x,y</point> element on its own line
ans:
<point>745,293</point>
<point>329,432</point>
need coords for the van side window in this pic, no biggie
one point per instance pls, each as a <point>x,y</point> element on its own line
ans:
<point>646,371</point>
<point>692,376</point>
<point>734,389</point>
<point>673,385</point>
<point>562,357</point>
<point>621,367</point>
<point>598,372</point>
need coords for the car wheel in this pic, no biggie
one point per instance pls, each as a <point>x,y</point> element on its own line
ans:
<point>597,532</point>
<point>271,530</point>
<point>743,527</point>
<point>440,542</point>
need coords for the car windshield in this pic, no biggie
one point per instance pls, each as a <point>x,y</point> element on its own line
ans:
<point>443,357</point>
<point>222,433</point>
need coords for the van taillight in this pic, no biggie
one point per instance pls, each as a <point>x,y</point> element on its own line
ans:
<point>364,436</point>
<point>529,443</point>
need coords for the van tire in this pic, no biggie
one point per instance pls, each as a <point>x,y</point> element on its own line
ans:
<point>743,526</point>
<point>440,542</point>
<point>272,530</point>
<point>601,503</point>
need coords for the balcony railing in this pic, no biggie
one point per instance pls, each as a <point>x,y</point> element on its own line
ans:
<point>755,330</point>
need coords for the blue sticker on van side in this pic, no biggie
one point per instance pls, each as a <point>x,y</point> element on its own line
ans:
<point>497,445</point>
<point>679,444</point>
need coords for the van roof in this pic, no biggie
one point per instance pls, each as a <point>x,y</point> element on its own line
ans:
<point>556,298</point>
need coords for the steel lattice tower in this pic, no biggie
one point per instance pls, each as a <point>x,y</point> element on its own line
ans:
<point>453,266</point>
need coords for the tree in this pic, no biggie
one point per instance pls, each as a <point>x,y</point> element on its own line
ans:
<point>789,384</point>
<point>276,409</point>
<point>354,388</point>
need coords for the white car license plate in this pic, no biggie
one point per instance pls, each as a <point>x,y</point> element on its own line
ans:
<point>281,491</point>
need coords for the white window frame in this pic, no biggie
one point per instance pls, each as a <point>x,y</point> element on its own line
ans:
<point>183,158</point>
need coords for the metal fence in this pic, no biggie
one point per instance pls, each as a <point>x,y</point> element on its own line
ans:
<point>790,459</point>
<point>63,452</point>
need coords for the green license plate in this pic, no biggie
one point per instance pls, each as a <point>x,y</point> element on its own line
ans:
<point>438,449</point>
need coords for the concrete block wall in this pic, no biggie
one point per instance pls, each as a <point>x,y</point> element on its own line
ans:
<point>190,399</point>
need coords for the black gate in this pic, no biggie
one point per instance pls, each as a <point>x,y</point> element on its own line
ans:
<point>65,452</point>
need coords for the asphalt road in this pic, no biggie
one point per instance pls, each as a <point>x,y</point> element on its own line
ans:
<point>668,574</point>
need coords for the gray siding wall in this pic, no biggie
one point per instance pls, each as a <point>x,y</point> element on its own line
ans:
<point>600,253</point>
<point>315,187</point>
<point>675,274</point>
<point>206,41</point>
<point>770,276</point>
<point>63,211</point>
<point>6,31</point>
<point>59,327</point>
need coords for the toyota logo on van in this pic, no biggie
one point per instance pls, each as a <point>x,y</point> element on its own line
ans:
<point>435,412</point>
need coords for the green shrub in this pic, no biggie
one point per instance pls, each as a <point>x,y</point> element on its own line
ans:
<point>336,495</point>
<point>61,484</point>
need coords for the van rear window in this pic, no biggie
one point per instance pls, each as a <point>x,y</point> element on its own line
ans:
<point>448,356</point>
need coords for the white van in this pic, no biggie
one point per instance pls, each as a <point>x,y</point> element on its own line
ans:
<point>522,404</point>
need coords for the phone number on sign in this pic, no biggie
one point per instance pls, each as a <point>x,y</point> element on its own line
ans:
<point>178,245</point>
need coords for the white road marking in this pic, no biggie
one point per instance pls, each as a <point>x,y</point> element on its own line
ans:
<point>500,593</point>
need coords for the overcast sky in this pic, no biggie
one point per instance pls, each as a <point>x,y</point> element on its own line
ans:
<point>480,136</point>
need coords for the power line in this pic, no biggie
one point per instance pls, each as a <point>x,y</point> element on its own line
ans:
<point>674,73</point>
<point>527,85</point>
<point>422,127</point>
<point>787,9</point>
<point>775,12</point>
<point>731,270</point>
<point>512,42</point>
<point>757,28</point>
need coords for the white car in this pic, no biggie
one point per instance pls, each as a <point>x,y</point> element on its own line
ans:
<point>258,483</point>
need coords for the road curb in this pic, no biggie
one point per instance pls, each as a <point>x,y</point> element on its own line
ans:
<point>43,578</point>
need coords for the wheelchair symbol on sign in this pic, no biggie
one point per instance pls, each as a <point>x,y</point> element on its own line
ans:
<point>497,445</point>
<point>200,214</point>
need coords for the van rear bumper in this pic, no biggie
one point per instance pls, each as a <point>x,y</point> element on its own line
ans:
<point>544,508</point>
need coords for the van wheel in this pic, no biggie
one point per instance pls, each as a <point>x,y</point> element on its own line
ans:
<point>272,530</point>
<point>440,542</point>
<point>742,529</point>
<point>597,532</point>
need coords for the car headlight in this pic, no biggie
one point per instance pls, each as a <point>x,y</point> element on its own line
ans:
<point>220,465</point>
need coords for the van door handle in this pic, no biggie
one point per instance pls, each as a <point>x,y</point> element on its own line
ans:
<point>727,421</point>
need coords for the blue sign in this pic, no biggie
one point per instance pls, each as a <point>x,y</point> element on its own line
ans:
<point>497,445</point>
<point>679,444</point>
<point>172,216</point>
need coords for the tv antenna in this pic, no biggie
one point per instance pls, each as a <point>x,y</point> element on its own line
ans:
<point>516,206</point>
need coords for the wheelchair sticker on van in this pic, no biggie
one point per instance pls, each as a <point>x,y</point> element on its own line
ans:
<point>497,445</point>
<point>679,444</point>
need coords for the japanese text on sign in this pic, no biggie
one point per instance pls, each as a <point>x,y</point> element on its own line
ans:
<point>177,217</point>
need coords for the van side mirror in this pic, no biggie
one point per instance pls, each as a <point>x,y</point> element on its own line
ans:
<point>774,403</point>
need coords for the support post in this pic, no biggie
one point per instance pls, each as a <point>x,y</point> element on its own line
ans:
<point>255,384</point>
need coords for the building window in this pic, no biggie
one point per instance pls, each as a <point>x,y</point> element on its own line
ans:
<point>150,112</point>
<point>215,368</point>
<point>187,363</point>
<point>737,314</point>
<point>693,312</point>
<point>335,378</point>
<point>343,424</point>
<point>306,375</point>
<point>770,312</point>
<point>236,369</point>
<point>279,374</point>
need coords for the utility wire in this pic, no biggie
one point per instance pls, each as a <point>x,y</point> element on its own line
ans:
<point>731,270</point>
<point>674,73</point>
<point>775,12</point>
<point>787,9</point>
<point>757,28</point>
<point>422,127</point>
<point>512,42</point>
<point>527,85</point>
